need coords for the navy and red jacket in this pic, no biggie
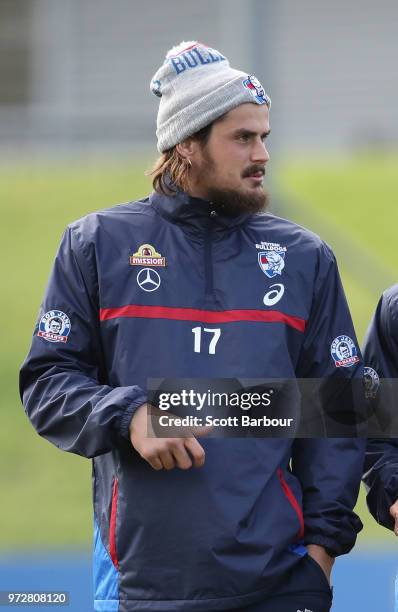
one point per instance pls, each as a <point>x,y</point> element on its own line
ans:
<point>381,360</point>
<point>217,537</point>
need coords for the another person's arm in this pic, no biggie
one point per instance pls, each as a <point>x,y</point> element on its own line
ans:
<point>381,463</point>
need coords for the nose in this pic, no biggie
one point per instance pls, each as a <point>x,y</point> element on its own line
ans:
<point>260,153</point>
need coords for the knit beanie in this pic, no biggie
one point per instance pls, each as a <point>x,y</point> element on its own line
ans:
<point>196,85</point>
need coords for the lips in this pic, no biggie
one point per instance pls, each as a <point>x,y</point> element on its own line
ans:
<point>255,172</point>
<point>257,177</point>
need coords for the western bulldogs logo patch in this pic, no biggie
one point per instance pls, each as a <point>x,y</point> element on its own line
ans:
<point>271,262</point>
<point>54,326</point>
<point>371,382</point>
<point>344,352</point>
<point>257,90</point>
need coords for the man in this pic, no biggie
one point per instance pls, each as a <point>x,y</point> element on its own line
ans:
<point>381,373</point>
<point>181,285</point>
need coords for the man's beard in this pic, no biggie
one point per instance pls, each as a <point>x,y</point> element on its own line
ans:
<point>234,202</point>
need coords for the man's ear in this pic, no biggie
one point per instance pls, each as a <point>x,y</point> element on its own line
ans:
<point>186,148</point>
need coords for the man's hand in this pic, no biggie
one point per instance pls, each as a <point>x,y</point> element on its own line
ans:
<point>394,514</point>
<point>166,453</point>
<point>319,554</point>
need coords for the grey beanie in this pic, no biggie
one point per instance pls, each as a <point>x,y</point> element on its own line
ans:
<point>196,85</point>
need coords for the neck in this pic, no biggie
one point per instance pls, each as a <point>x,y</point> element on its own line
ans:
<point>196,190</point>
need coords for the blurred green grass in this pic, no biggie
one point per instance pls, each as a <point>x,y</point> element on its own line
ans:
<point>47,493</point>
<point>351,203</point>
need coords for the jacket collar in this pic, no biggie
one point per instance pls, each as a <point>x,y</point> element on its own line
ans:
<point>183,209</point>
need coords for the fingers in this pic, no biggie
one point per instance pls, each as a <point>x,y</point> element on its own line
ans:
<point>175,454</point>
<point>395,517</point>
<point>153,460</point>
<point>170,453</point>
<point>394,514</point>
<point>166,453</point>
<point>196,451</point>
<point>167,459</point>
<point>183,460</point>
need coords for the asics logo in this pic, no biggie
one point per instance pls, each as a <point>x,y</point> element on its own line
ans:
<point>272,297</point>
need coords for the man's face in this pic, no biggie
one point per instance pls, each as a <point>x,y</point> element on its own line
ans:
<point>344,351</point>
<point>229,169</point>
<point>55,327</point>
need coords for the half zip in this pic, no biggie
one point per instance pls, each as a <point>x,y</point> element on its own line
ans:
<point>193,212</point>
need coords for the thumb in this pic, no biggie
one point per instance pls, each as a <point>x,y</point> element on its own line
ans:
<point>394,514</point>
<point>201,430</point>
<point>394,509</point>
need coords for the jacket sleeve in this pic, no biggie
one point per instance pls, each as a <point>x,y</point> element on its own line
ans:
<point>63,382</point>
<point>381,361</point>
<point>329,469</point>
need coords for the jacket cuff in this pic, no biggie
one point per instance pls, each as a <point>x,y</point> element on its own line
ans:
<point>128,415</point>
<point>333,548</point>
<point>379,499</point>
<point>392,490</point>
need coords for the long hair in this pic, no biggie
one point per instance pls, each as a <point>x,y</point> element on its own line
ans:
<point>171,171</point>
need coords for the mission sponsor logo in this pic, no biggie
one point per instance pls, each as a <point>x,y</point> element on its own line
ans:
<point>147,256</point>
<point>54,326</point>
<point>344,352</point>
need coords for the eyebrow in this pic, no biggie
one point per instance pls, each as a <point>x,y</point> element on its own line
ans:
<point>244,132</point>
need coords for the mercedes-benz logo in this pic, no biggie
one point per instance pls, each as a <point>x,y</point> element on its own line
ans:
<point>148,279</point>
